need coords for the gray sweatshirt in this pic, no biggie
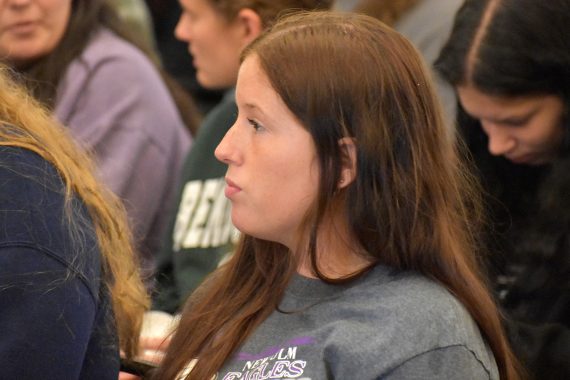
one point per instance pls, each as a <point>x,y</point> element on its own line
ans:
<point>386,325</point>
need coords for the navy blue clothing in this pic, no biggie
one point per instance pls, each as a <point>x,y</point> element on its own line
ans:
<point>56,320</point>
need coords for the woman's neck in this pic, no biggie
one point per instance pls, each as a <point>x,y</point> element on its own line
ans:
<point>338,253</point>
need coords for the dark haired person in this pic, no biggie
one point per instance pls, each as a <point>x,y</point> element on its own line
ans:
<point>509,62</point>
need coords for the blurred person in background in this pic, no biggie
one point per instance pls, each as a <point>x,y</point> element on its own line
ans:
<point>174,53</point>
<point>509,62</point>
<point>80,61</point>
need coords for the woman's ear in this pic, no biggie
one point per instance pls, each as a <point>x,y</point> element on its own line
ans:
<point>348,171</point>
<point>251,24</point>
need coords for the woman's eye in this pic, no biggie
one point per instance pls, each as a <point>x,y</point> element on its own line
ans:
<point>254,124</point>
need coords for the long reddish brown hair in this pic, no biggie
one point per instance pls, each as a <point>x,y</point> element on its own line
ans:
<point>412,205</point>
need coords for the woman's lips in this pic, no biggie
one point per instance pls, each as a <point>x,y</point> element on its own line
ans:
<point>231,188</point>
<point>22,28</point>
<point>524,159</point>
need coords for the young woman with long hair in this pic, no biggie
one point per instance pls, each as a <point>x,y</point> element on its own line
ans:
<point>358,258</point>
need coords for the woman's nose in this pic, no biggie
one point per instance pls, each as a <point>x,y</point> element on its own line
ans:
<point>226,150</point>
<point>183,30</point>
<point>501,141</point>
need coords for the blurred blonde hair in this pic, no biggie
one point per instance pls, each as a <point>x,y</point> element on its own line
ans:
<point>32,127</point>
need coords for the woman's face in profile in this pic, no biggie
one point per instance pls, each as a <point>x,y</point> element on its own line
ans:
<point>30,29</point>
<point>214,43</point>
<point>273,173</point>
<point>526,130</point>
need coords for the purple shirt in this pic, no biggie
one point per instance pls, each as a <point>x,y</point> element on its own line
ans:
<point>116,105</point>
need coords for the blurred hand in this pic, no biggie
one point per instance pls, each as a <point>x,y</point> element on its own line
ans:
<point>154,348</point>
<point>151,349</point>
<point>128,376</point>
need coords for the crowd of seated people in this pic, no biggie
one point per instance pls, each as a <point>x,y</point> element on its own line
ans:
<point>202,188</point>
